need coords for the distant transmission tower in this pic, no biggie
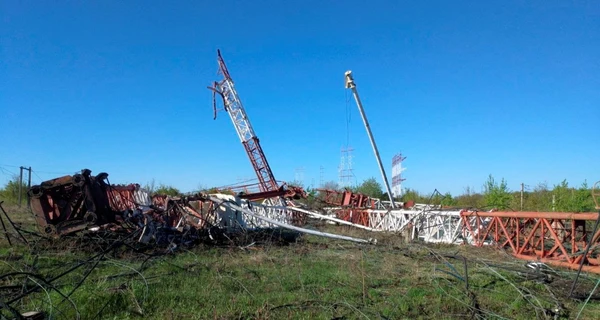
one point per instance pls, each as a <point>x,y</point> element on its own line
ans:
<point>321,174</point>
<point>346,174</point>
<point>299,175</point>
<point>397,175</point>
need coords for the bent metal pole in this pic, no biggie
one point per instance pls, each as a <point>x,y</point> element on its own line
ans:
<point>350,85</point>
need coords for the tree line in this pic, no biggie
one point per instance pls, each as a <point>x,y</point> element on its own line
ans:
<point>494,195</point>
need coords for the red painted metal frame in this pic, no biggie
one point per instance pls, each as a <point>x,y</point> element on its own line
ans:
<point>121,197</point>
<point>260,165</point>
<point>347,198</point>
<point>251,191</point>
<point>252,145</point>
<point>551,237</point>
<point>356,216</point>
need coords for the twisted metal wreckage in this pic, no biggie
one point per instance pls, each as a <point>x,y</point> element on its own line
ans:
<point>72,203</point>
<point>80,202</point>
<point>565,239</point>
<point>86,203</point>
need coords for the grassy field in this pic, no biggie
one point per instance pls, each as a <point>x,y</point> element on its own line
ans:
<point>311,278</point>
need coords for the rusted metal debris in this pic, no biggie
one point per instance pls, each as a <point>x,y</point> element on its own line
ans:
<point>71,203</point>
<point>253,192</point>
<point>83,202</point>
<point>347,198</point>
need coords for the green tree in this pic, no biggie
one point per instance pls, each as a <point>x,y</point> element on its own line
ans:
<point>562,197</point>
<point>496,195</point>
<point>331,185</point>
<point>167,190</point>
<point>569,199</point>
<point>470,199</point>
<point>540,199</point>
<point>583,199</point>
<point>371,188</point>
<point>10,191</point>
<point>150,186</point>
<point>448,201</point>
<point>413,195</point>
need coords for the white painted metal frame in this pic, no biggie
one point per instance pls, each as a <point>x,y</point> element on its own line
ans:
<point>232,206</point>
<point>439,226</point>
<point>423,222</point>
<point>235,109</point>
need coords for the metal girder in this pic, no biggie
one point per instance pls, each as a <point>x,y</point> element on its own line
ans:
<point>251,214</point>
<point>243,127</point>
<point>349,84</point>
<point>347,198</point>
<point>553,237</point>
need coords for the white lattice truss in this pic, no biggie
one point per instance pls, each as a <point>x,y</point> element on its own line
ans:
<point>251,215</point>
<point>228,216</point>
<point>425,223</point>
<point>439,226</point>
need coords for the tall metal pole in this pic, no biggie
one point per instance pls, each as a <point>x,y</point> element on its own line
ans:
<point>20,184</point>
<point>350,85</point>
<point>522,187</point>
<point>28,186</point>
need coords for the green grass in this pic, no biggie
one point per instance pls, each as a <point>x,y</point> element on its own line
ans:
<point>315,278</point>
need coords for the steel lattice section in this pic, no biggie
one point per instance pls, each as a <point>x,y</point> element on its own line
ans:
<point>243,127</point>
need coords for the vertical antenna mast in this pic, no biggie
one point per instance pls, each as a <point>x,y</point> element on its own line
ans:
<point>350,85</point>
<point>235,109</point>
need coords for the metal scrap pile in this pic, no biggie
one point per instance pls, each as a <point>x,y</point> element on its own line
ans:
<point>84,202</point>
<point>87,203</point>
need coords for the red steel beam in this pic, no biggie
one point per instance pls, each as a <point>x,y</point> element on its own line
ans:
<point>551,237</point>
<point>347,198</point>
<point>533,215</point>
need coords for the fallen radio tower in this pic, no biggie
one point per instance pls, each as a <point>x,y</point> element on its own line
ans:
<point>87,203</point>
<point>269,187</point>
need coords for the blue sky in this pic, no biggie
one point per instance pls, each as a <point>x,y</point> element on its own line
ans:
<point>463,89</point>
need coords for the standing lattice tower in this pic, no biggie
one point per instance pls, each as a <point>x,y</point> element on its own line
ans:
<point>299,175</point>
<point>397,175</point>
<point>346,173</point>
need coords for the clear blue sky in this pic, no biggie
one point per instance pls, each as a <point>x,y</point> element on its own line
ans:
<point>463,89</point>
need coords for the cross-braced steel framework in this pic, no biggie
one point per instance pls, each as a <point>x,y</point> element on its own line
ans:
<point>346,174</point>
<point>558,238</point>
<point>397,170</point>
<point>237,113</point>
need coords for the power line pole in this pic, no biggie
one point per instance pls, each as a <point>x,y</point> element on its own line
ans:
<point>522,187</point>
<point>20,184</point>
<point>21,168</point>
<point>28,186</point>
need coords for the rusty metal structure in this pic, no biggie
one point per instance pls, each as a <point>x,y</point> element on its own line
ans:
<point>252,191</point>
<point>347,198</point>
<point>71,203</point>
<point>564,239</point>
<point>557,238</point>
<point>268,187</point>
<point>83,202</point>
